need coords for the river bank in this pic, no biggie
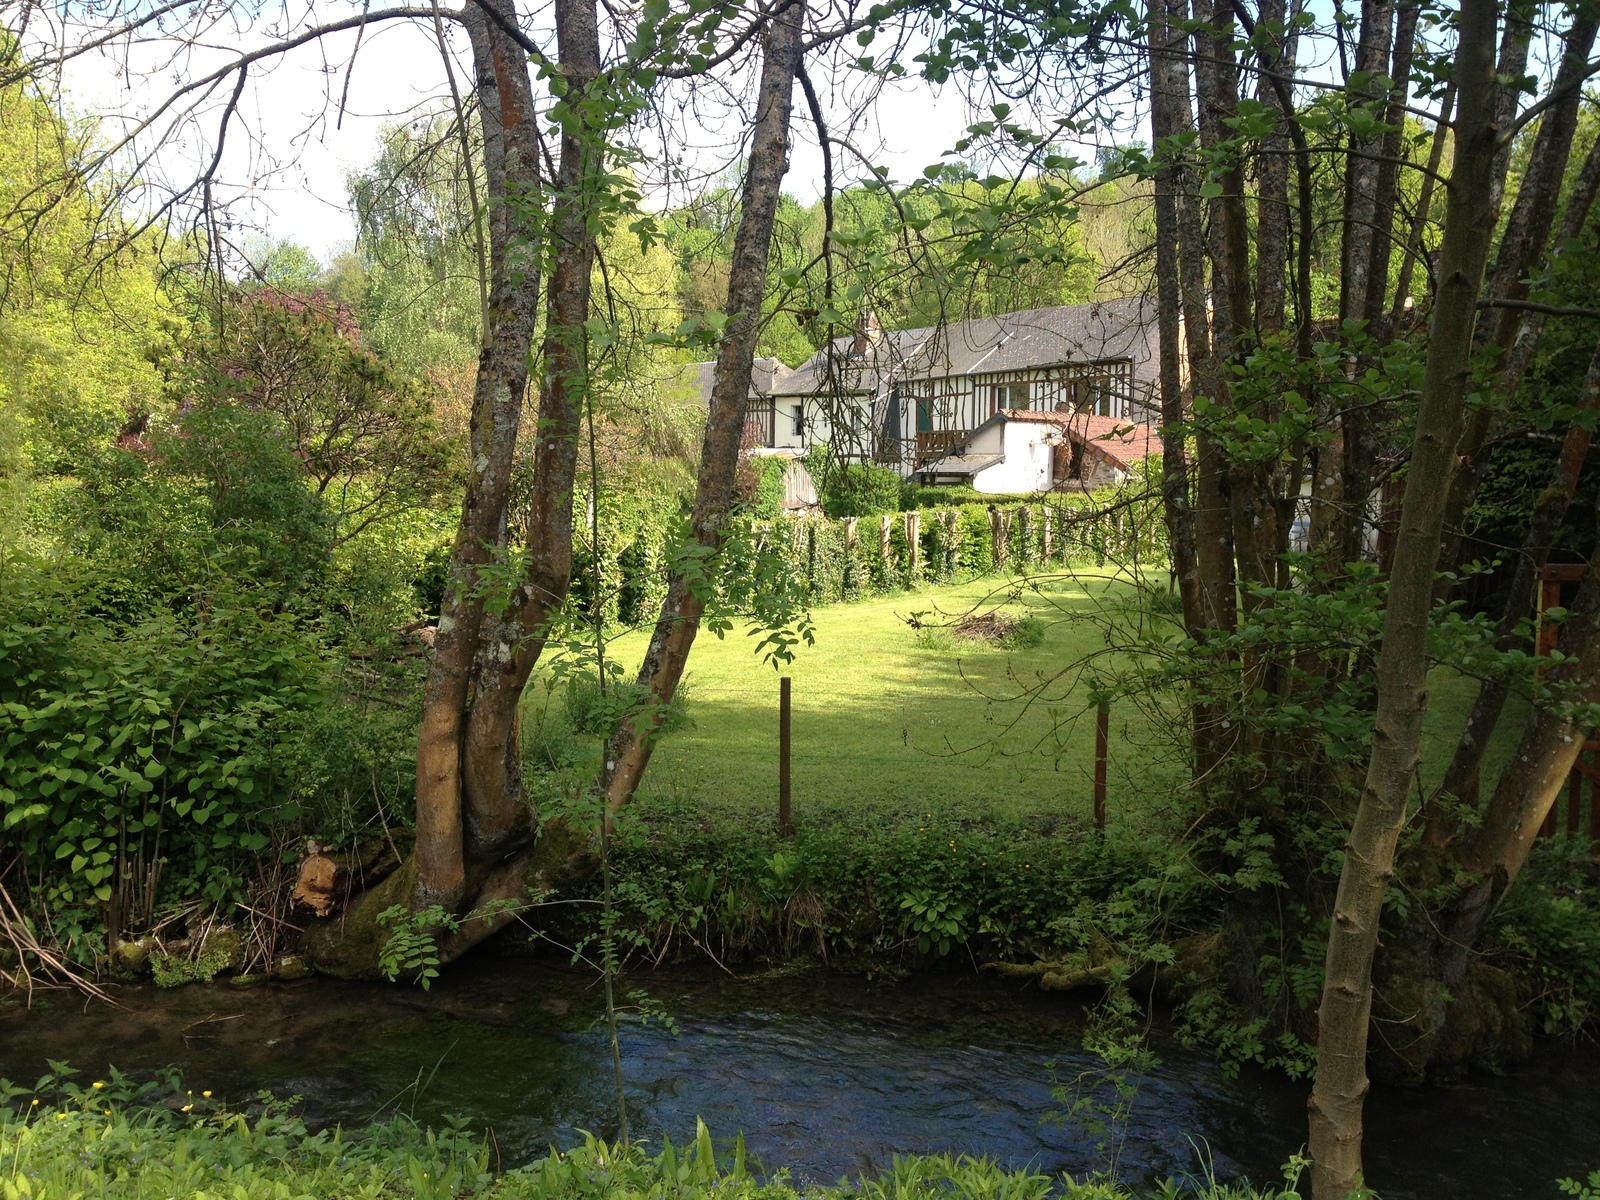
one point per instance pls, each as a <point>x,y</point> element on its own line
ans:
<point>825,1075</point>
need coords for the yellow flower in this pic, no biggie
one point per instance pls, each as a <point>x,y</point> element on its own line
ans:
<point>207,1095</point>
<point>188,1107</point>
<point>61,1116</point>
<point>36,1104</point>
<point>97,1085</point>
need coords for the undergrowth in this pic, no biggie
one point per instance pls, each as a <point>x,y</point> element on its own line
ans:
<point>885,890</point>
<point>125,1141</point>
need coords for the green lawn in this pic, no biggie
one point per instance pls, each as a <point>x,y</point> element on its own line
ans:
<point>880,720</point>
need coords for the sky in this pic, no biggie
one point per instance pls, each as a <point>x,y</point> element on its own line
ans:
<point>289,159</point>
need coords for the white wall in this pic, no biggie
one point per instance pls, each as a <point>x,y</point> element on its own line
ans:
<point>785,436</point>
<point>1026,465</point>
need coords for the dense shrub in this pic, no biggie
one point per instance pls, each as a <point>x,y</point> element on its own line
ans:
<point>859,490</point>
<point>865,887</point>
<point>144,758</point>
<point>974,542</point>
<point>915,495</point>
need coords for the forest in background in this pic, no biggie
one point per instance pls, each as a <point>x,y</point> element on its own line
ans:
<point>234,497</point>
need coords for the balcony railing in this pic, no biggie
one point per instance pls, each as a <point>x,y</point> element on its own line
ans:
<point>936,443</point>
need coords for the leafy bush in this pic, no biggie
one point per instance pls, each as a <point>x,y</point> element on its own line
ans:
<point>1548,932</point>
<point>1026,633</point>
<point>144,758</point>
<point>974,542</point>
<point>859,490</point>
<point>565,716</point>
<point>864,888</point>
<point>915,495</point>
<point>764,500</point>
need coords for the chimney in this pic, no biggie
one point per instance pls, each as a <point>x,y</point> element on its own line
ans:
<point>869,332</point>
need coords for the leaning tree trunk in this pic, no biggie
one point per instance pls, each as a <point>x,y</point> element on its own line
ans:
<point>1341,1079</point>
<point>474,824</point>
<point>1549,512</point>
<point>511,167</point>
<point>1521,248</point>
<point>1438,1014</point>
<point>634,740</point>
<point>1537,771</point>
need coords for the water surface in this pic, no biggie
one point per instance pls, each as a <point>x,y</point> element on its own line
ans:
<point>825,1075</point>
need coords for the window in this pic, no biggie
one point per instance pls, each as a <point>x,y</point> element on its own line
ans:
<point>1010,395</point>
<point>1094,395</point>
<point>1102,389</point>
<point>798,416</point>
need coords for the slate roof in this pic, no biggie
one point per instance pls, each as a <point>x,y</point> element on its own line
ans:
<point>962,464</point>
<point>765,374</point>
<point>1039,337</point>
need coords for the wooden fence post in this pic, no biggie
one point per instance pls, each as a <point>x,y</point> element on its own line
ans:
<point>1047,539</point>
<point>913,543</point>
<point>885,527</point>
<point>785,827</point>
<point>997,535</point>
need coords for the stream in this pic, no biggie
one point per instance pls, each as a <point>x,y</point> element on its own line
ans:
<point>824,1074</point>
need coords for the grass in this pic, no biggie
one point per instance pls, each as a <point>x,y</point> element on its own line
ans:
<point>89,1146</point>
<point>896,717</point>
<point>887,715</point>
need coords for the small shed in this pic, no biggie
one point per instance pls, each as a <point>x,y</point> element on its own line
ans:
<point>1018,450</point>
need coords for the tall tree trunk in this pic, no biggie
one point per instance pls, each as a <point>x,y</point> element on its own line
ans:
<point>1419,220</point>
<point>498,815</point>
<point>1212,517</point>
<point>1341,1080</point>
<point>474,824</point>
<point>634,740</point>
<point>1362,165</point>
<point>1252,517</point>
<point>1388,182</point>
<point>1358,423</point>
<point>1276,54</point>
<point>511,167</point>
<point>1168,98</point>
<point>1521,247</point>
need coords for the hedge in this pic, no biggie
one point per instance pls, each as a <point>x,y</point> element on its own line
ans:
<point>848,557</point>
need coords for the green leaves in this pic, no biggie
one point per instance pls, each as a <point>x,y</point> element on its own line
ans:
<point>109,732</point>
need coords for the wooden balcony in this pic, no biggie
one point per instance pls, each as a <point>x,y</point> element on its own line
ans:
<point>936,443</point>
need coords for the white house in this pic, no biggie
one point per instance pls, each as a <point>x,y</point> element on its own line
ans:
<point>979,401</point>
<point>1021,451</point>
<point>907,398</point>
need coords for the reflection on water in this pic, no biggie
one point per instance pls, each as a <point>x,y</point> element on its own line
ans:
<point>826,1076</point>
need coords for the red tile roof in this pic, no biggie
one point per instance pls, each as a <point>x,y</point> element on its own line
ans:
<point>1122,441</point>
